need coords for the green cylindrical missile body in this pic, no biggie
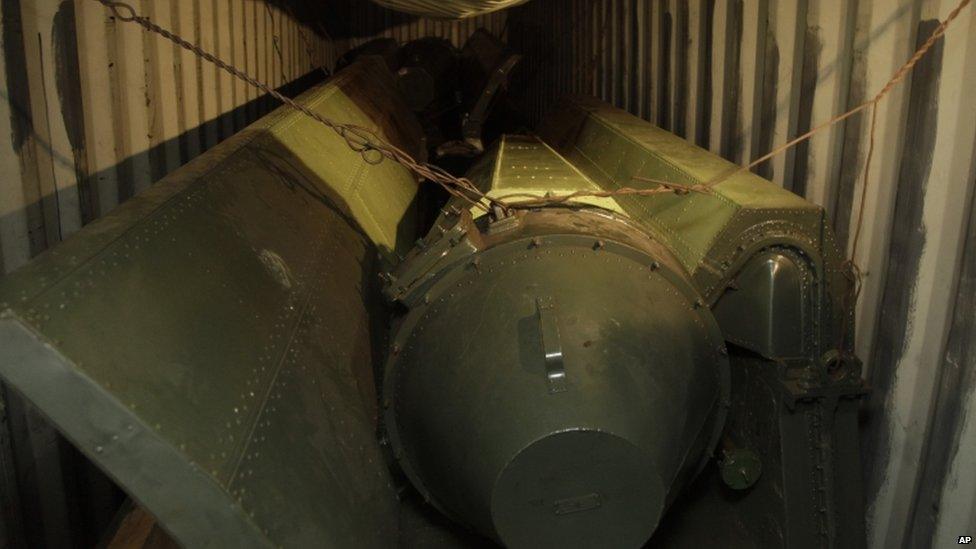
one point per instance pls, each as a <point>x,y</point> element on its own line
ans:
<point>558,388</point>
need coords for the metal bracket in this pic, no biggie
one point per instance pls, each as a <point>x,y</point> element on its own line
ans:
<point>471,128</point>
<point>551,345</point>
<point>453,238</point>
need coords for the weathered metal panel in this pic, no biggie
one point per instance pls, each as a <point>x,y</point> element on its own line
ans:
<point>250,393</point>
<point>93,110</point>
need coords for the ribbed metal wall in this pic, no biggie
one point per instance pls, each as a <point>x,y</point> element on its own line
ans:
<point>96,111</point>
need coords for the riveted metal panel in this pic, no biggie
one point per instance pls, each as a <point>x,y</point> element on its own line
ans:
<point>213,338</point>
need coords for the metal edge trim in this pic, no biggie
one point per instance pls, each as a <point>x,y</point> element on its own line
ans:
<point>152,471</point>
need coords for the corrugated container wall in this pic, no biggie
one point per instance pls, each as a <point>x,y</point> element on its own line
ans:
<point>97,110</point>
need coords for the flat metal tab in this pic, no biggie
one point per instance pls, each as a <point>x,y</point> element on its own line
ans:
<point>551,346</point>
<point>452,239</point>
<point>772,292</point>
<point>209,343</point>
<point>577,504</point>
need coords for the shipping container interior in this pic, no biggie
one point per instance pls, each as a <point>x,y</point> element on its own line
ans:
<point>94,110</point>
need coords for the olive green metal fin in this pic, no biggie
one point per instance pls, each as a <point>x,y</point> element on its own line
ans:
<point>675,156</point>
<point>379,192</point>
<point>519,167</point>
<point>617,149</point>
<point>154,472</point>
<point>231,311</point>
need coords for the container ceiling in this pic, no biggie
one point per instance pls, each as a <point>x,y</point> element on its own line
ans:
<point>455,9</point>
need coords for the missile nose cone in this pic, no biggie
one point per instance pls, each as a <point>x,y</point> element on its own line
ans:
<point>558,395</point>
<point>578,488</point>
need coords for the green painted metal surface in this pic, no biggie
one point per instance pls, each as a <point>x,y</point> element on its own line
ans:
<point>505,414</point>
<point>210,343</point>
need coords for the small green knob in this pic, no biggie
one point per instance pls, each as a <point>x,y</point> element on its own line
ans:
<point>740,468</point>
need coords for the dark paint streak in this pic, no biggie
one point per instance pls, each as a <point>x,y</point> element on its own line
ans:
<point>703,123</point>
<point>812,48</point>
<point>239,121</point>
<point>955,384</point>
<point>181,74</point>
<point>664,70</point>
<point>21,120</point>
<point>650,80</point>
<point>603,52</point>
<point>636,100</point>
<point>67,80</point>
<point>124,170</point>
<point>208,130</point>
<point>680,123</point>
<point>731,142</point>
<point>841,193</point>
<point>767,103</point>
<point>904,254</point>
<point>158,161</point>
<point>620,58</point>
